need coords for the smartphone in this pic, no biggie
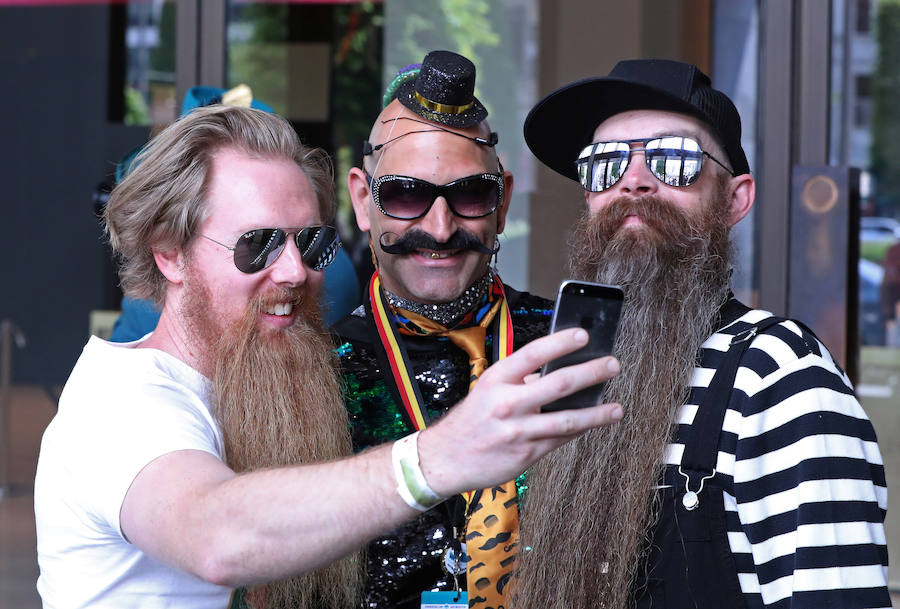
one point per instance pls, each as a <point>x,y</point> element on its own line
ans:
<point>596,308</point>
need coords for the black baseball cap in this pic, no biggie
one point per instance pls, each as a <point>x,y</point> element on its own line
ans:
<point>563,123</point>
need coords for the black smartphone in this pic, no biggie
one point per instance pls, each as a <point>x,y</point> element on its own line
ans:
<point>596,308</point>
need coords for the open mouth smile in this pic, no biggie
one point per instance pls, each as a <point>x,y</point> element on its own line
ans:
<point>280,309</point>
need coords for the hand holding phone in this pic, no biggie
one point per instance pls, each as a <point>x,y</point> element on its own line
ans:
<point>596,308</point>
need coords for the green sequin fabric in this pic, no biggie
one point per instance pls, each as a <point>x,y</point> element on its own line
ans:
<point>409,560</point>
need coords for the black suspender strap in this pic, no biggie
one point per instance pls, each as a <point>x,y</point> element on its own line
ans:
<point>702,444</point>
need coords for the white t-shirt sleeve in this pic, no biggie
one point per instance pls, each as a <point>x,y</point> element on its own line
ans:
<point>158,422</point>
<point>121,409</point>
<point>131,420</point>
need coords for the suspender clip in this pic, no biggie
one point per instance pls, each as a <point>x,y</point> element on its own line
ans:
<point>744,336</point>
<point>691,499</point>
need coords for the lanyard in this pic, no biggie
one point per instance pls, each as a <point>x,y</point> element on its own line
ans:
<point>399,362</point>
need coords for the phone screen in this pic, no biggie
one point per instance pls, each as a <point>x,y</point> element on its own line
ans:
<point>596,308</point>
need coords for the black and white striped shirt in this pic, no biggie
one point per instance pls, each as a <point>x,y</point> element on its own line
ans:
<point>803,479</point>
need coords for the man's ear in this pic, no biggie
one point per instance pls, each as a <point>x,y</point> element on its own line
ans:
<point>358,185</point>
<point>742,194</point>
<point>170,263</point>
<point>504,204</point>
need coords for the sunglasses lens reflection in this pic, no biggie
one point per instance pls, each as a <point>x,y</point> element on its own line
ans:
<point>408,198</point>
<point>257,249</point>
<point>318,246</point>
<point>474,196</point>
<point>673,160</point>
<point>405,198</point>
<point>601,165</point>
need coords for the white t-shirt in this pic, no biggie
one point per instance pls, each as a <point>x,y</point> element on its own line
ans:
<point>121,408</point>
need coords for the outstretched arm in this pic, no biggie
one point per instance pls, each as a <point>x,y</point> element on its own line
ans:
<point>190,510</point>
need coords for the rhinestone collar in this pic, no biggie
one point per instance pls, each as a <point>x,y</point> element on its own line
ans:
<point>445,313</point>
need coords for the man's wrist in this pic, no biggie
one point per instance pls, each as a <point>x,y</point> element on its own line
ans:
<point>412,486</point>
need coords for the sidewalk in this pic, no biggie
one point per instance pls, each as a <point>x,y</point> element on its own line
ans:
<point>30,411</point>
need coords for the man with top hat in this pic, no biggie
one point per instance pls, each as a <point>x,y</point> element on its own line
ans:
<point>215,452</point>
<point>433,195</point>
<point>745,472</point>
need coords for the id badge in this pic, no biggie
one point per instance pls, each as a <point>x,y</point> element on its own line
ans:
<point>445,600</point>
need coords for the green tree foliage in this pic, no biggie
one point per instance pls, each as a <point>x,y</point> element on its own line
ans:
<point>886,110</point>
<point>259,57</point>
<point>259,60</point>
<point>463,26</point>
<point>136,110</point>
<point>485,31</point>
<point>357,70</point>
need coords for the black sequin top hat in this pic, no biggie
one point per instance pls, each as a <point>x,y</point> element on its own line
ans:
<point>443,91</point>
<point>564,121</point>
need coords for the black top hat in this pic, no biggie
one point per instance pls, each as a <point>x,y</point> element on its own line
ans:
<point>563,123</point>
<point>443,92</point>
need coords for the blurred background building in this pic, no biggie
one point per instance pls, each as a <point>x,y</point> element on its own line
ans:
<point>85,82</point>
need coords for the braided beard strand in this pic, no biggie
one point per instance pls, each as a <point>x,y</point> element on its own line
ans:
<point>592,500</point>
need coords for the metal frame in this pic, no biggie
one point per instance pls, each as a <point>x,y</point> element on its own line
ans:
<point>200,44</point>
<point>794,93</point>
<point>813,46</point>
<point>774,152</point>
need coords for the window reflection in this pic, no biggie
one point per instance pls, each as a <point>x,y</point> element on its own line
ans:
<point>865,124</point>
<point>318,65</point>
<point>865,133</point>
<point>735,72</point>
<point>149,87</point>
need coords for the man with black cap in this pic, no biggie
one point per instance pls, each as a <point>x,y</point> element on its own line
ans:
<point>745,473</point>
<point>433,196</point>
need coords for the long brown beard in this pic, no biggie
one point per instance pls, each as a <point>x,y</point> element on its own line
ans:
<point>592,501</point>
<point>277,398</point>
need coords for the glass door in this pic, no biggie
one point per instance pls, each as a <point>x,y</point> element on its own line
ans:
<point>319,66</point>
<point>865,133</point>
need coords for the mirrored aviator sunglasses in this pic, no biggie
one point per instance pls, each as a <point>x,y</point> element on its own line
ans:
<point>259,248</point>
<point>673,160</point>
<point>406,198</point>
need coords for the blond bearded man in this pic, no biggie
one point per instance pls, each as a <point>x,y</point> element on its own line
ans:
<point>433,196</point>
<point>745,473</point>
<point>212,453</point>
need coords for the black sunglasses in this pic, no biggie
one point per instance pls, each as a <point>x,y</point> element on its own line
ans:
<point>672,159</point>
<point>259,248</point>
<point>406,198</point>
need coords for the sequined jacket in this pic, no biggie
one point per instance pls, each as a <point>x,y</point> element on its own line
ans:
<point>409,560</point>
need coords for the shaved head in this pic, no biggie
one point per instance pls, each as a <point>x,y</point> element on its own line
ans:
<point>450,251</point>
<point>398,121</point>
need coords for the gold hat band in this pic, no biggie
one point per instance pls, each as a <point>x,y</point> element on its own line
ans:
<point>442,108</point>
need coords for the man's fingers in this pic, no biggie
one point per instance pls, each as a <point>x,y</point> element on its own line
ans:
<point>537,353</point>
<point>563,425</point>
<point>547,431</point>
<point>531,377</point>
<point>568,380</point>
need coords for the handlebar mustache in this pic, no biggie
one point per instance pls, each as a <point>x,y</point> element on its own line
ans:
<point>415,239</point>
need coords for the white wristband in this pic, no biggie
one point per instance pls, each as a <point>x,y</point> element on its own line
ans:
<point>411,483</point>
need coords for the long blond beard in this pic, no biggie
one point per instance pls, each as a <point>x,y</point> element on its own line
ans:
<point>277,398</point>
<point>592,500</point>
